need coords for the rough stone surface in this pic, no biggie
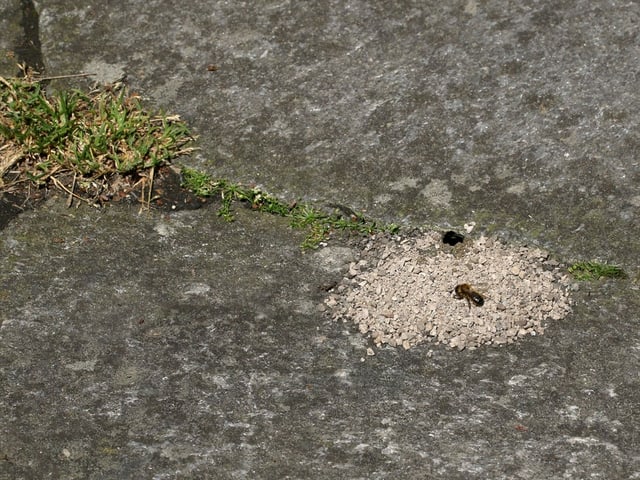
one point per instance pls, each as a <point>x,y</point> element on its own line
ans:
<point>438,112</point>
<point>178,346</point>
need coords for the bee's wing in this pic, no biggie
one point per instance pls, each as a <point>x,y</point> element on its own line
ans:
<point>482,288</point>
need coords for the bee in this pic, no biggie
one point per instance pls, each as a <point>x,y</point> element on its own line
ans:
<point>464,290</point>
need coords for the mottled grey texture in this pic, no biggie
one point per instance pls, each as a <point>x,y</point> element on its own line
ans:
<point>180,346</point>
<point>517,114</point>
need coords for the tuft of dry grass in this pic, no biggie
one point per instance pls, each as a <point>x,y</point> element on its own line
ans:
<point>91,145</point>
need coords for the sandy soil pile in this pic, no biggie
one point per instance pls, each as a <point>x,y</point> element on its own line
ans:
<point>401,292</point>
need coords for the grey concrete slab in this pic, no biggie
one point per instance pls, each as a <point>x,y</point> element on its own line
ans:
<point>511,113</point>
<point>179,346</point>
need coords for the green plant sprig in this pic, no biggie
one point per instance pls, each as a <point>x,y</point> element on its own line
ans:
<point>591,271</point>
<point>301,215</point>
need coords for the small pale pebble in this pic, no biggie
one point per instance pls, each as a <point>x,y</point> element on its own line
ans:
<point>353,271</point>
<point>331,301</point>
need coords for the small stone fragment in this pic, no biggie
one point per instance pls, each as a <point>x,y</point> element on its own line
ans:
<point>353,271</point>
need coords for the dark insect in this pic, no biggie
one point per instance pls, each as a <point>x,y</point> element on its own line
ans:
<point>464,290</point>
<point>452,238</point>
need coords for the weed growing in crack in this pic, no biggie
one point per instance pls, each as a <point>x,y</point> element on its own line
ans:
<point>591,271</point>
<point>95,145</point>
<point>88,137</point>
<point>318,223</point>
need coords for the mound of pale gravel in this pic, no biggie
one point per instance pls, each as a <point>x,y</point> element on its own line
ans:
<point>401,292</point>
